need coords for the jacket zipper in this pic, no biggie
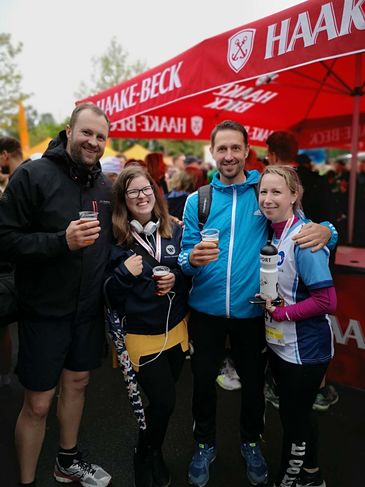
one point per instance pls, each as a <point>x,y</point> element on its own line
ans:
<point>230,253</point>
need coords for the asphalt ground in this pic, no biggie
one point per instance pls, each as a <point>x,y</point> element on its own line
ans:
<point>109,432</point>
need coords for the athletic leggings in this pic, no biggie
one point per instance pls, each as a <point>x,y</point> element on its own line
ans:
<point>207,335</point>
<point>158,380</point>
<point>297,386</point>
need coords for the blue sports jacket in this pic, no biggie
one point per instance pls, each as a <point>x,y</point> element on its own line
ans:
<point>224,287</point>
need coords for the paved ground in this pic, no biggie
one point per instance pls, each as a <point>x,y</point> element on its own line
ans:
<point>109,431</point>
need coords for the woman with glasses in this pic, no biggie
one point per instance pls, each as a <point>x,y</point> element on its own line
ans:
<point>153,312</point>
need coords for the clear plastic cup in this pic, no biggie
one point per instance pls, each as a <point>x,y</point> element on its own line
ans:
<point>88,216</point>
<point>210,235</point>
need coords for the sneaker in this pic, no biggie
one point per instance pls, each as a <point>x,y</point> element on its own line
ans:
<point>307,479</point>
<point>256,467</point>
<point>199,467</point>
<point>270,396</point>
<point>142,464</point>
<point>84,473</point>
<point>228,378</point>
<point>326,397</point>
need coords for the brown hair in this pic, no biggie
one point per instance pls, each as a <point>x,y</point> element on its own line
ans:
<point>229,125</point>
<point>87,106</point>
<point>11,145</point>
<point>284,145</point>
<point>291,179</point>
<point>121,216</point>
<point>135,162</point>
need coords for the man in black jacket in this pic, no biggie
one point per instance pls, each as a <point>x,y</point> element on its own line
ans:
<point>60,262</point>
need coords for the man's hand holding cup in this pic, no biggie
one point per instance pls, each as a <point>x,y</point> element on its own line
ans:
<point>83,232</point>
<point>207,250</point>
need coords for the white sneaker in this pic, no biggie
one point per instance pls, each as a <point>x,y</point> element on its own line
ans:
<point>228,378</point>
<point>84,473</point>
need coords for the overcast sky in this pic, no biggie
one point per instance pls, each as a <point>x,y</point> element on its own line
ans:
<point>61,37</point>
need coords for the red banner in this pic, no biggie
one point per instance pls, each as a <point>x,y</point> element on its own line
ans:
<point>287,70</point>
<point>348,365</point>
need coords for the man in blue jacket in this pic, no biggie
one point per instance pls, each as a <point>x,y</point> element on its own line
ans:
<point>224,279</point>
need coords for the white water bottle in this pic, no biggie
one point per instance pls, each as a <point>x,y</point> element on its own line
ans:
<point>269,272</point>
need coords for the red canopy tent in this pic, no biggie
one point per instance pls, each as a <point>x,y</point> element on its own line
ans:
<point>300,69</point>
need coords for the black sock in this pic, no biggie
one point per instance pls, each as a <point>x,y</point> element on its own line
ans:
<point>32,484</point>
<point>66,457</point>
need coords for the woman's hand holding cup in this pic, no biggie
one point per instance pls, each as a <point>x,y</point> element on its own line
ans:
<point>164,280</point>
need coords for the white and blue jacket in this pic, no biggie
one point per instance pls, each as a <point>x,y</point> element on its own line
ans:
<point>224,287</point>
<point>310,340</point>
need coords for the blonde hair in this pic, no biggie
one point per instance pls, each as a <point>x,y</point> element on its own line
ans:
<point>291,179</point>
<point>121,216</point>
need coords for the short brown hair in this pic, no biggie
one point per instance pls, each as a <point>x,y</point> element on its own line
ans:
<point>229,125</point>
<point>284,145</point>
<point>11,145</point>
<point>87,106</point>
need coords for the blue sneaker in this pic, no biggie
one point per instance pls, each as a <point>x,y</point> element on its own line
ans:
<point>199,467</point>
<point>256,467</point>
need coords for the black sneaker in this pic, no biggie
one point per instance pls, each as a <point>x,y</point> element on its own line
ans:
<point>307,479</point>
<point>326,397</point>
<point>160,473</point>
<point>142,462</point>
<point>84,473</point>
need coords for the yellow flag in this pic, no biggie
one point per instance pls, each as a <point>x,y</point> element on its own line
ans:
<point>23,130</point>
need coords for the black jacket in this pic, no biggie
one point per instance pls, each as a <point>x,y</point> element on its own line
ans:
<point>41,199</point>
<point>134,297</point>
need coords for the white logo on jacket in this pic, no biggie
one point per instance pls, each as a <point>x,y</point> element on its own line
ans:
<point>170,249</point>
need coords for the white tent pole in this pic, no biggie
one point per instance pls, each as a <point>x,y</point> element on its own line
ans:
<point>354,148</point>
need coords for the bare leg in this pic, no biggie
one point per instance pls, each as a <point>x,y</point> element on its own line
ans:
<point>30,430</point>
<point>70,406</point>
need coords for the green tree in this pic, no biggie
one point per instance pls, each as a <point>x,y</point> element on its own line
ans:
<point>109,69</point>
<point>10,83</point>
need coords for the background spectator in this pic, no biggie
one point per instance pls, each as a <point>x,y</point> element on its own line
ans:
<point>156,167</point>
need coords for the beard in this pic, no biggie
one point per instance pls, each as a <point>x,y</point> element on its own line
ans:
<point>230,170</point>
<point>79,156</point>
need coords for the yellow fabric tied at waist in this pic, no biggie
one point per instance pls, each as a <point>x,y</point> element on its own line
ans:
<point>142,345</point>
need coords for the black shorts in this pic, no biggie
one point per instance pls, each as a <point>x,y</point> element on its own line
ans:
<point>49,345</point>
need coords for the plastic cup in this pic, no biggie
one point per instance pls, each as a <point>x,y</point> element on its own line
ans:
<point>88,216</point>
<point>210,235</point>
<point>158,272</point>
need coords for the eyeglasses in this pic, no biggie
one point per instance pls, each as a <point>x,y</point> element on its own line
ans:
<point>134,193</point>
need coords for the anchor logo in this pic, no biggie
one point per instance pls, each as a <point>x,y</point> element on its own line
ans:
<point>196,124</point>
<point>239,49</point>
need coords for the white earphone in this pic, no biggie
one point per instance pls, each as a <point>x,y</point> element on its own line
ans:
<point>148,229</point>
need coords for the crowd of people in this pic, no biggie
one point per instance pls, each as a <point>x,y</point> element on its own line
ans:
<point>197,302</point>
